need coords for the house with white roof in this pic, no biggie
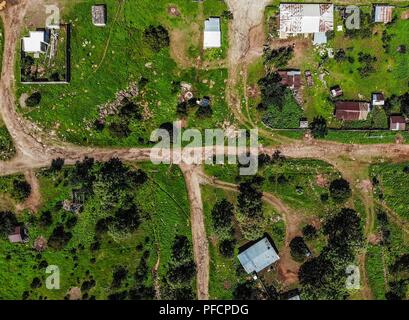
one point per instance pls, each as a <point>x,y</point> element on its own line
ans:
<point>306,18</point>
<point>212,33</point>
<point>35,43</point>
<point>258,257</point>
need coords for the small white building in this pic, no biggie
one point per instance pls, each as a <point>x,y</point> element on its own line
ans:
<point>212,33</point>
<point>378,99</point>
<point>35,42</point>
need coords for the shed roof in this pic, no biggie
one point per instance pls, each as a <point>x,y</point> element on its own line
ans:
<point>352,110</point>
<point>306,18</point>
<point>259,256</point>
<point>212,33</point>
<point>383,14</point>
<point>99,15</point>
<point>34,43</point>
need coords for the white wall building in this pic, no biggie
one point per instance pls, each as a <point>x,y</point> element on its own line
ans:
<point>212,33</point>
<point>35,43</point>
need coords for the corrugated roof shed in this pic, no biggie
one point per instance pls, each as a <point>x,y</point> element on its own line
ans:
<point>397,123</point>
<point>212,33</point>
<point>352,110</point>
<point>383,14</point>
<point>259,256</point>
<point>99,15</point>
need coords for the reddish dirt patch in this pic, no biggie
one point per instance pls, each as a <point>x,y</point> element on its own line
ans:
<point>40,244</point>
<point>374,239</point>
<point>321,181</point>
<point>366,186</point>
<point>74,293</point>
<point>173,11</point>
<point>405,15</point>
<point>287,268</point>
<point>253,91</point>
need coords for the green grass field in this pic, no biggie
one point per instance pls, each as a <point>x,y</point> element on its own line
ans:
<point>166,210</point>
<point>107,60</point>
<point>294,181</point>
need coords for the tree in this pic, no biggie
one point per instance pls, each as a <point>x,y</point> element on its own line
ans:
<point>57,164</point>
<point>344,229</point>
<point>226,248</point>
<point>59,238</point>
<point>33,100</point>
<point>21,189</point>
<point>319,127</point>
<point>8,222</point>
<point>46,219</point>
<point>250,208</point>
<point>272,91</point>
<point>157,37</point>
<point>299,249</point>
<point>339,190</point>
<point>278,58</point>
<point>222,214</point>
<point>181,249</point>
<point>309,232</point>
<point>119,275</point>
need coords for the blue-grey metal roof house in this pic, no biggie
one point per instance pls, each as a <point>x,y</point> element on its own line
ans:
<point>259,256</point>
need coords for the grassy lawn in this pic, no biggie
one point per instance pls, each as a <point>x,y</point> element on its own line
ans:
<point>392,186</point>
<point>226,273</point>
<point>166,210</point>
<point>294,181</point>
<point>107,60</point>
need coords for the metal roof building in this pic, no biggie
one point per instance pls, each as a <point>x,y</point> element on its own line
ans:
<point>300,18</point>
<point>212,33</point>
<point>259,256</point>
<point>35,43</point>
<point>383,14</point>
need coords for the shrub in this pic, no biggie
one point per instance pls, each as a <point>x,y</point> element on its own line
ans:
<point>339,190</point>
<point>21,189</point>
<point>33,100</point>
<point>157,37</point>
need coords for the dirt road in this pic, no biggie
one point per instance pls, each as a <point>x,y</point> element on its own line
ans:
<point>199,237</point>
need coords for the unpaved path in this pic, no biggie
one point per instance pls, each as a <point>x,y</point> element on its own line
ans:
<point>199,238</point>
<point>33,202</point>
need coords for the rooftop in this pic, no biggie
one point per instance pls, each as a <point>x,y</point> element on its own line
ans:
<point>99,15</point>
<point>259,256</point>
<point>383,14</point>
<point>352,110</point>
<point>212,33</point>
<point>306,18</point>
<point>35,42</point>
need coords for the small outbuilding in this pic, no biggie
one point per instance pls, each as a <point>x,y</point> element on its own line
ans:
<point>99,15</point>
<point>35,43</point>
<point>397,123</point>
<point>291,78</point>
<point>20,235</point>
<point>383,14</point>
<point>378,99</point>
<point>212,33</point>
<point>303,123</point>
<point>336,91</point>
<point>258,257</point>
